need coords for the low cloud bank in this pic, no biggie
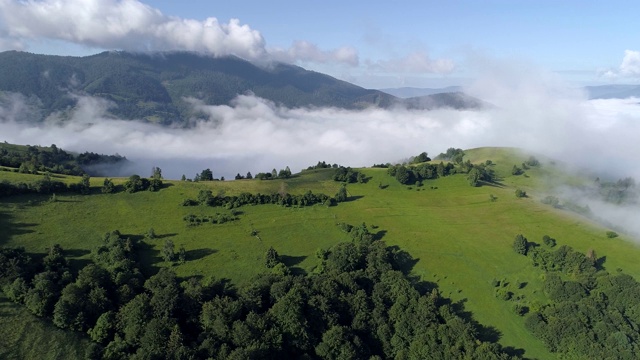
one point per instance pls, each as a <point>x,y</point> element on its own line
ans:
<point>252,134</point>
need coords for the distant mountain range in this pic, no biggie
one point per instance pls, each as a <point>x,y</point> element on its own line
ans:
<point>613,91</point>
<point>409,92</point>
<point>154,87</point>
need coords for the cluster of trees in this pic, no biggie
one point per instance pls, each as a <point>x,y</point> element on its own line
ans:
<point>34,159</point>
<point>195,220</point>
<point>357,305</point>
<point>44,186</point>
<point>423,157</point>
<point>206,197</point>
<point>452,154</point>
<point>349,175</point>
<point>135,183</point>
<point>409,175</point>
<point>590,314</point>
<point>274,174</point>
<point>526,165</point>
<point>622,191</point>
<point>322,165</point>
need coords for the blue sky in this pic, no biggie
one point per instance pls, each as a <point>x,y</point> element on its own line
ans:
<point>373,44</point>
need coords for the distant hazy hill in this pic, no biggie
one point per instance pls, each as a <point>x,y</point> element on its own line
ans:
<point>410,92</point>
<point>453,100</point>
<point>613,91</point>
<point>153,87</point>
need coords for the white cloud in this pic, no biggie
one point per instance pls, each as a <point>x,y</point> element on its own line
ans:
<point>309,52</point>
<point>629,67</point>
<point>417,62</point>
<point>126,24</point>
<point>134,26</point>
<point>630,63</point>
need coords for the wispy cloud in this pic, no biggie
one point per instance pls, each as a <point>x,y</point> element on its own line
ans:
<point>417,63</point>
<point>308,52</point>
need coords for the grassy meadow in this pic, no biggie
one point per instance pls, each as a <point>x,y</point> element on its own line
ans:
<point>461,240</point>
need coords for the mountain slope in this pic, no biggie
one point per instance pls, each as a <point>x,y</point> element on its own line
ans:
<point>156,87</point>
<point>453,100</point>
<point>613,91</point>
<point>409,92</point>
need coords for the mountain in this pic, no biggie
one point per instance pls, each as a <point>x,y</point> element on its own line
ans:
<point>452,100</point>
<point>155,87</point>
<point>612,91</point>
<point>411,92</point>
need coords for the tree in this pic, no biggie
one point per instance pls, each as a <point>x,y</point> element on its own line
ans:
<point>168,253</point>
<point>156,173</point>
<point>271,257</point>
<point>274,174</point>
<point>182,254</point>
<point>516,170</point>
<point>341,196</point>
<point>183,178</point>
<point>520,245</point>
<point>108,187</point>
<point>85,185</point>
<point>404,175</point>
<point>249,176</point>
<point>104,328</point>
<point>423,157</point>
<point>474,177</point>
<point>521,193</point>
<point>206,175</point>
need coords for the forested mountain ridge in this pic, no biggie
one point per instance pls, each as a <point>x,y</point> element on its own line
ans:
<point>154,87</point>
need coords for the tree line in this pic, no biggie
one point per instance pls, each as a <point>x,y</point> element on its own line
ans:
<point>34,159</point>
<point>206,197</point>
<point>590,313</point>
<point>359,303</point>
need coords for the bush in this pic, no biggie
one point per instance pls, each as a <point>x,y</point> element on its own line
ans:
<point>521,193</point>
<point>612,234</point>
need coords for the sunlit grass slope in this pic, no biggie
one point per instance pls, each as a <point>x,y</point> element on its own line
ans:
<point>24,336</point>
<point>462,240</point>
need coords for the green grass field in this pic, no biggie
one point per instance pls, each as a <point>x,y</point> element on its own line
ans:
<point>461,239</point>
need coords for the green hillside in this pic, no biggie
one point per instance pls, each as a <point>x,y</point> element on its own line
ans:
<point>155,87</point>
<point>158,87</point>
<point>462,240</point>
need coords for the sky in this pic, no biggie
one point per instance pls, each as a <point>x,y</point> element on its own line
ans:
<point>372,44</point>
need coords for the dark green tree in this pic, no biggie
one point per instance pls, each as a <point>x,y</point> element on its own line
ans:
<point>520,245</point>
<point>341,196</point>
<point>108,187</point>
<point>206,175</point>
<point>271,257</point>
<point>168,253</point>
<point>85,185</point>
<point>474,177</point>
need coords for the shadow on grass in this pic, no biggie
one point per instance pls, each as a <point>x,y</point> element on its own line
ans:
<point>379,235</point>
<point>197,254</point>
<point>165,236</point>
<point>600,262</point>
<point>492,184</point>
<point>9,228</point>
<point>402,260</point>
<point>353,198</point>
<point>76,252</point>
<point>291,262</point>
